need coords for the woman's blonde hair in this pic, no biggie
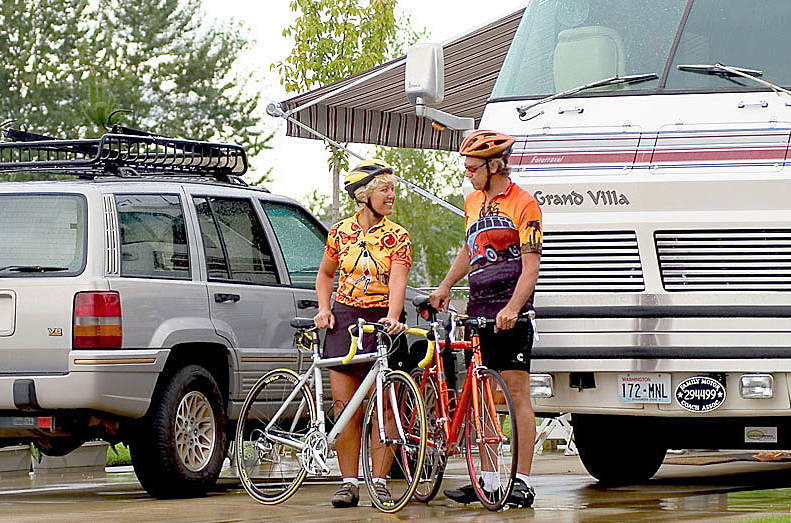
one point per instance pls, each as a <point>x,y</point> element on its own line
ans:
<point>362,194</point>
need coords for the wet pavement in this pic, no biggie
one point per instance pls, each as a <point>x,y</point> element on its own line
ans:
<point>690,493</point>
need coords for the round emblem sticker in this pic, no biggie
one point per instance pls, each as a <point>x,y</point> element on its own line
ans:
<point>700,394</point>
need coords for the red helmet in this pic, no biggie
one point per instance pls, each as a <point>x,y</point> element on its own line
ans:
<point>486,144</point>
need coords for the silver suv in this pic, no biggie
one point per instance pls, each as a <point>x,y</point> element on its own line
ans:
<point>142,297</point>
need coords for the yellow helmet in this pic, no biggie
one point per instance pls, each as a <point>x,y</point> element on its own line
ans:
<point>363,173</point>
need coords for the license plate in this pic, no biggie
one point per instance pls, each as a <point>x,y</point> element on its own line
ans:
<point>650,387</point>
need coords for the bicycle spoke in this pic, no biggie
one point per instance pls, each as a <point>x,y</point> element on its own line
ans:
<point>399,458</point>
<point>268,454</point>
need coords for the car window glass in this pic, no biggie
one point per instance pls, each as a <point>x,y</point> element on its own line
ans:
<point>301,240</point>
<point>242,238</point>
<point>45,231</point>
<point>153,236</point>
<point>212,246</point>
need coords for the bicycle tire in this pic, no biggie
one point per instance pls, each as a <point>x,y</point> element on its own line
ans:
<point>503,452</point>
<point>411,450</point>
<point>434,463</point>
<point>271,472</point>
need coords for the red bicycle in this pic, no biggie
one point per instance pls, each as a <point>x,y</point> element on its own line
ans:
<point>483,413</point>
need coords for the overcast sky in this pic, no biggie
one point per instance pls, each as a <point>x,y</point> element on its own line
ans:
<point>266,19</point>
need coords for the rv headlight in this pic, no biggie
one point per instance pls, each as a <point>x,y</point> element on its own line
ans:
<point>541,386</point>
<point>757,386</point>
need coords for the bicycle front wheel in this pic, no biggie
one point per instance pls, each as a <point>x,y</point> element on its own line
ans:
<point>434,463</point>
<point>491,441</point>
<point>269,467</point>
<point>399,458</point>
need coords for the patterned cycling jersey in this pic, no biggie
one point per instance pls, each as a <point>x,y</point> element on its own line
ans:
<point>364,260</point>
<point>497,235</point>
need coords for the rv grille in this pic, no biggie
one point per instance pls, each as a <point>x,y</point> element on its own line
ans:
<point>590,262</point>
<point>725,260</point>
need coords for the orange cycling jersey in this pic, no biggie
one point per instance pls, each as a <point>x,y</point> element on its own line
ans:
<point>497,235</point>
<point>364,260</point>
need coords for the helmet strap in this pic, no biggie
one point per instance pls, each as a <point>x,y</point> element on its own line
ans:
<point>377,216</point>
<point>488,177</point>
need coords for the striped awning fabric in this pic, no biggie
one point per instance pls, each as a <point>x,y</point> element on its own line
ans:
<point>371,107</point>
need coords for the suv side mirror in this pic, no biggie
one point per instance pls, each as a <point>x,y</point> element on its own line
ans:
<point>424,80</point>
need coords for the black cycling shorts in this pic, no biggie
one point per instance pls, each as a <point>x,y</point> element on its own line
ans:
<point>506,349</point>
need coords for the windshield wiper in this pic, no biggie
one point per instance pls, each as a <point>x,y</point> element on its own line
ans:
<point>613,80</point>
<point>32,268</point>
<point>728,72</point>
<point>720,70</point>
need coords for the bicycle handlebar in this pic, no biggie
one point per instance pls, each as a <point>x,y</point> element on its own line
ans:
<point>373,327</point>
<point>483,323</point>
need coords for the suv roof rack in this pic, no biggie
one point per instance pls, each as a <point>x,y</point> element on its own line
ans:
<point>124,155</point>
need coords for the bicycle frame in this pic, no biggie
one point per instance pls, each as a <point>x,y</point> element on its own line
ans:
<point>375,375</point>
<point>469,391</point>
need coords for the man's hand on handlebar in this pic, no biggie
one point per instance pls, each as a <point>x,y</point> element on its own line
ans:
<point>440,298</point>
<point>506,319</point>
<point>324,319</point>
<point>393,326</point>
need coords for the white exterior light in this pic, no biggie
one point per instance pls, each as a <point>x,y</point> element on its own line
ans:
<point>541,386</point>
<point>757,386</point>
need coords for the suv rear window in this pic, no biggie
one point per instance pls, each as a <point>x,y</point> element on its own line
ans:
<point>153,236</point>
<point>42,235</point>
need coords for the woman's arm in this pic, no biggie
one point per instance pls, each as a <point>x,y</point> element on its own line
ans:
<point>324,319</point>
<point>397,291</point>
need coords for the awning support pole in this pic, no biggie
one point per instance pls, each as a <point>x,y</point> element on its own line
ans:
<point>274,109</point>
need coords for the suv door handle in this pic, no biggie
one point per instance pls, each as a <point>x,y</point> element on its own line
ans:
<point>222,298</point>
<point>307,304</point>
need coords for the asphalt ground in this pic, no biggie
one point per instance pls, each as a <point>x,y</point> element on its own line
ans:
<point>731,491</point>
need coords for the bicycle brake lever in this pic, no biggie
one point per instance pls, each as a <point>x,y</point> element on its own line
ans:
<point>531,314</point>
<point>360,324</point>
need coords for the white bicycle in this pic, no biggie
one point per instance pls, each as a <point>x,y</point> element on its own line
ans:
<point>281,436</point>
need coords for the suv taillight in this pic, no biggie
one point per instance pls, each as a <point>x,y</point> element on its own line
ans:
<point>97,320</point>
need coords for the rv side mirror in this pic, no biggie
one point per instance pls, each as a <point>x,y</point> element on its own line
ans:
<point>424,80</point>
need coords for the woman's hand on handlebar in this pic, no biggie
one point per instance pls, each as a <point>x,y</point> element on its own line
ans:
<point>324,319</point>
<point>393,326</point>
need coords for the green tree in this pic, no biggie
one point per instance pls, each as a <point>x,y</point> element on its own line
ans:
<point>65,65</point>
<point>334,39</point>
<point>43,50</point>
<point>437,234</point>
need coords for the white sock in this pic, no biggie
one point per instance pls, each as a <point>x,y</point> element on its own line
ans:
<point>353,481</point>
<point>491,480</point>
<point>381,481</point>
<point>523,477</point>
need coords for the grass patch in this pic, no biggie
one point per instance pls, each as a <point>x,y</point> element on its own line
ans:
<point>121,458</point>
<point>769,519</point>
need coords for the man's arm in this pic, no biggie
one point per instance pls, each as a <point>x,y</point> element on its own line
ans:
<point>440,298</point>
<point>525,285</point>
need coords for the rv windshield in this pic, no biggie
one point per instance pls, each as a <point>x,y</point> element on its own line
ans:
<point>744,34</point>
<point>561,44</point>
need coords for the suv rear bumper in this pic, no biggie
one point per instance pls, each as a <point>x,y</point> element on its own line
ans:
<point>118,381</point>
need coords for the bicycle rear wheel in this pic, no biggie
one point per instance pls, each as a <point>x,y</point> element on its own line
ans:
<point>271,471</point>
<point>491,461</point>
<point>434,463</point>
<point>403,450</point>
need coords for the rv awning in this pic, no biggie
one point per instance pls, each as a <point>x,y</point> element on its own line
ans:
<point>371,107</point>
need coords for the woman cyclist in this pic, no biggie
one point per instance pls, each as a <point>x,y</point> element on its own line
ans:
<point>374,255</point>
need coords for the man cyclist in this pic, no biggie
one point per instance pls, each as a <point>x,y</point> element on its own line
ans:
<point>501,255</point>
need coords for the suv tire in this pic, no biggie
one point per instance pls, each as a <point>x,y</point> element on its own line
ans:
<point>180,450</point>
